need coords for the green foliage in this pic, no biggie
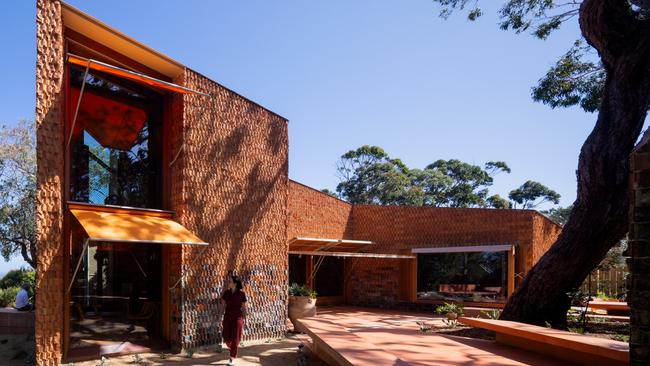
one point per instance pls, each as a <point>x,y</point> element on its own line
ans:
<point>8,296</point>
<point>457,309</point>
<point>328,192</point>
<point>622,338</point>
<point>370,176</point>
<point>491,314</point>
<point>579,330</point>
<point>450,323</point>
<point>559,214</point>
<point>573,80</point>
<point>301,290</point>
<point>15,278</point>
<point>18,187</point>
<point>497,201</point>
<point>424,327</point>
<point>531,194</point>
<point>576,78</point>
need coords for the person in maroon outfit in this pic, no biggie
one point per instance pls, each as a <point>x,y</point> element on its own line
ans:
<point>233,319</point>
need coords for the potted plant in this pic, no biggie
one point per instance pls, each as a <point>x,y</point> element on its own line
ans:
<point>453,311</point>
<point>302,304</point>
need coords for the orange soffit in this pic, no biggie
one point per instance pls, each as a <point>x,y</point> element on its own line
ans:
<point>128,227</point>
<point>130,75</point>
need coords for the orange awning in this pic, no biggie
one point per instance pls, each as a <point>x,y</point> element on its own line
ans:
<point>130,75</point>
<point>137,226</point>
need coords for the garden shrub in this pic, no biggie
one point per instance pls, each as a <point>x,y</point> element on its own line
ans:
<point>8,296</point>
<point>16,277</point>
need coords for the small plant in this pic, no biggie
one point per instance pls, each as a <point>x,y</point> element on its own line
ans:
<point>424,327</point>
<point>189,353</point>
<point>622,338</point>
<point>547,324</point>
<point>137,359</point>
<point>102,362</point>
<point>491,314</point>
<point>579,330</point>
<point>219,348</point>
<point>301,290</point>
<point>450,323</point>
<point>449,308</point>
<point>163,355</point>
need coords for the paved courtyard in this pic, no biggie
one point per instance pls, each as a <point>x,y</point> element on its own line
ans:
<point>277,353</point>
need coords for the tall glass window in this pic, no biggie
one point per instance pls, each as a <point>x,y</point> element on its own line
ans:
<point>469,276</point>
<point>116,142</point>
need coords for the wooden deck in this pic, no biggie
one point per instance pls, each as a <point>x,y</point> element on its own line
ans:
<point>360,336</point>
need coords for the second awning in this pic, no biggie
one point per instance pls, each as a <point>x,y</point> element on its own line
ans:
<point>120,225</point>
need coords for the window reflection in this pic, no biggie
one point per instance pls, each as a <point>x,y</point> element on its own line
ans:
<point>116,143</point>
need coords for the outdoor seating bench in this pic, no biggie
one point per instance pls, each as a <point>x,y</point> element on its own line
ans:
<point>612,307</point>
<point>577,348</point>
<point>337,346</point>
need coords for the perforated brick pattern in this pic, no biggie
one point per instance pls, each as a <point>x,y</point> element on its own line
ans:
<point>233,193</point>
<point>49,200</point>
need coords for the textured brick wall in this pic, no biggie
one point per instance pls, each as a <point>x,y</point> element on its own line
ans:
<point>545,232</point>
<point>49,215</point>
<point>399,229</point>
<point>638,281</point>
<point>317,215</point>
<point>233,193</point>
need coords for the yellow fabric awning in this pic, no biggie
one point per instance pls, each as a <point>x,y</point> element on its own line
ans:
<point>137,226</point>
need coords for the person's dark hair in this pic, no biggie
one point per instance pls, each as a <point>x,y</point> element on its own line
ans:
<point>237,281</point>
<point>25,286</point>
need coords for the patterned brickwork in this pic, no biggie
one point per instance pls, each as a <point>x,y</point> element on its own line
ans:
<point>49,215</point>
<point>233,188</point>
<point>397,230</point>
<point>317,215</point>
<point>638,280</point>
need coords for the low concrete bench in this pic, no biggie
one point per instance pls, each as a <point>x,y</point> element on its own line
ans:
<point>336,346</point>
<point>13,321</point>
<point>577,348</point>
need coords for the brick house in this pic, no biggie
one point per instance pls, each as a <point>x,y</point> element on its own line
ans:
<point>154,182</point>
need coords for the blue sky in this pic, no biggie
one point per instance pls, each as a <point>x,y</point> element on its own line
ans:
<point>349,73</point>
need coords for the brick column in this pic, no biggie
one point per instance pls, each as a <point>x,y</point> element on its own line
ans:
<point>638,253</point>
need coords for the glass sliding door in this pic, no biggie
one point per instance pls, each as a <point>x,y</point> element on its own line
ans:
<point>464,276</point>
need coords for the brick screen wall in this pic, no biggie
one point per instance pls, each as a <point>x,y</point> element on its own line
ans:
<point>49,195</point>
<point>317,215</point>
<point>233,183</point>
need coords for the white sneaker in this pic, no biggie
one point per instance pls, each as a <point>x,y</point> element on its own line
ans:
<point>231,362</point>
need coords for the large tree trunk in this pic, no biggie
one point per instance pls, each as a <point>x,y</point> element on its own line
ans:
<point>599,218</point>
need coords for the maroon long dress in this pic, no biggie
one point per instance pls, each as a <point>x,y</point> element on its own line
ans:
<point>233,319</point>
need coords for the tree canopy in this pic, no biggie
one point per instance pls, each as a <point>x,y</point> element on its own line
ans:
<point>18,187</point>
<point>577,78</point>
<point>370,176</point>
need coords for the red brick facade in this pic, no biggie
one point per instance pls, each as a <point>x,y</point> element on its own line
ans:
<point>233,187</point>
<point>398,229</point>
<point>317,215</point>
<point>49,197</point>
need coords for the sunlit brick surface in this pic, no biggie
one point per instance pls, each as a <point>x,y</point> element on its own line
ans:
<point>233,194</point>
<point>49,200</point>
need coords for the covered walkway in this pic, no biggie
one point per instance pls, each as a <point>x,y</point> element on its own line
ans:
<point>360,336</point>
